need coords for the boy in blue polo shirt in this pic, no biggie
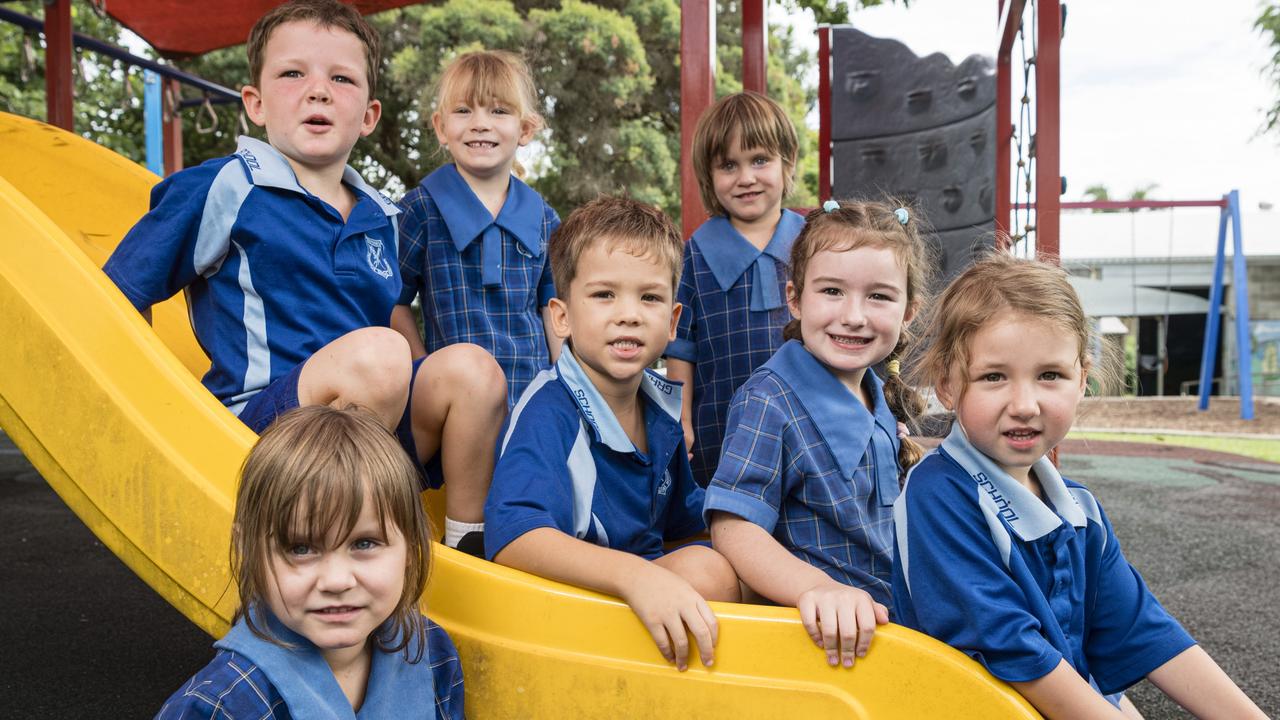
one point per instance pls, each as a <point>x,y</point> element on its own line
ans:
<point>289,260</point>
<point>592,479</point>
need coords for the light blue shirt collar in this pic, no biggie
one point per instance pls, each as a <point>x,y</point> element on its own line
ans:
<point>468,219</point>
<point>661,392</point>
<point>396,688</point>
<point>846,426</point>
<point>1027,514</point>
<point>729,255</point>
<point>269,168</point>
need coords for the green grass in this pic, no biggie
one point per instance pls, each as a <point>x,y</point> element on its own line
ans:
<point>1259,449</point>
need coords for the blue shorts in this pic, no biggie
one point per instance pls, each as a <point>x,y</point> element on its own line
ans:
<point>281,396</point>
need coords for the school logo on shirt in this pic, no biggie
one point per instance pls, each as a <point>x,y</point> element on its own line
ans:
<point>377,261</point>
<point>665,485</point>
<point>1002,504</point>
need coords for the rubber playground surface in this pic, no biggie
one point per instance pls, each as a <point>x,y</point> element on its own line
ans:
<point>83,635</point>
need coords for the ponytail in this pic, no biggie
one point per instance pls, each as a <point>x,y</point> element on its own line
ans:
<point>904,402</point>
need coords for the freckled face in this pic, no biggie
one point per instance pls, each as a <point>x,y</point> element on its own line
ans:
<point>313,97</point>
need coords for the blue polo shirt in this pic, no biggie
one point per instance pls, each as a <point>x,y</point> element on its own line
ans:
<point>272,272</point>
<point>1019,583</point>
<point>253,678</point>
<point>735,307</point>
<point>565,462</point>
<point>481,279</point>
<point>806,461</point>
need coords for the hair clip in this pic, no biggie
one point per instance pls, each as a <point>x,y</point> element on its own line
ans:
<point>902,215</point>
<point>831,206</point>
<point>893,367</point>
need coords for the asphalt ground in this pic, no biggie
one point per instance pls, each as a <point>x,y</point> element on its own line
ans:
<point>82,637</point>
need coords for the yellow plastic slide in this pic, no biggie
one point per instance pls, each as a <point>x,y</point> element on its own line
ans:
<point>113,416</point>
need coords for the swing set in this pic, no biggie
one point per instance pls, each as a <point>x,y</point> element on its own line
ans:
<point>1029,182</point>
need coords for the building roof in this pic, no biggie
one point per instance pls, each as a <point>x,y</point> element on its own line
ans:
<point>1163,234</point>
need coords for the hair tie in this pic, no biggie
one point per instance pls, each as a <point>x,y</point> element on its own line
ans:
<point>893,367</point>
<point>830,206</point>
<point>902,215</point>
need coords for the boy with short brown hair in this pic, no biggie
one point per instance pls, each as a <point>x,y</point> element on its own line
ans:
<point>592,480</point>
<point>289,260</point>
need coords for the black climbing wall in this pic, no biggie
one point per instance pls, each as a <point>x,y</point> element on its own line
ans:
<point>917,128</point>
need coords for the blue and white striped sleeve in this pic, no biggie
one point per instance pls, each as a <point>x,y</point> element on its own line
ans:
<point>1130,632</point>
<point>532,480</point>
<point>958,588</point>
<point>186,233</point>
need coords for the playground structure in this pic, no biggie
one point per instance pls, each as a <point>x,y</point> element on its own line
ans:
<point>148,460</point>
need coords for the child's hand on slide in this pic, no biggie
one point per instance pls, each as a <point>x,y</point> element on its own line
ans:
<point>666,603</point>
<point>841,620</point>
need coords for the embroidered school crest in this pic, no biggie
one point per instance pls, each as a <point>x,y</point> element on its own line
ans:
<point>377,261</point>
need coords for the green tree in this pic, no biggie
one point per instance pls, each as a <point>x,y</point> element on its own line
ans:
<point>608,72</point>
<point>1268,25</point>
<point>108,95</point>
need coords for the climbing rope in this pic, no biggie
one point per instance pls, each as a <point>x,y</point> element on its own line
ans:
<point>1024,136</point>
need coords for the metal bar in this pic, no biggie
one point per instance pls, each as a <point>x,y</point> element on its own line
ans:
<point>1130,204</point>
<point>1213,317</point>
<point>116,53</point>
<point>58,55</point>
<point>824,113</point>
<point>153,120</point>
<point>1004,120</point>
<point>1240,282</point>
<point>697,91</point>
<point>755,47</point>
<point>1048,167</point>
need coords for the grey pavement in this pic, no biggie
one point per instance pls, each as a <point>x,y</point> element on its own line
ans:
<point>83,637</point>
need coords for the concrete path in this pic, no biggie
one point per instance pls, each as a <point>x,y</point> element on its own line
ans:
<point>84,638</point>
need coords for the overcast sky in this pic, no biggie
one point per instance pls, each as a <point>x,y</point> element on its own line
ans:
<point>1167,92</point>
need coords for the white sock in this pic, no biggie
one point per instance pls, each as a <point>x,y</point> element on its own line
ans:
<point>455,530</point>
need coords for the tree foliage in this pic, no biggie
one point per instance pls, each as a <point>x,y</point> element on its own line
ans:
<point>608,73</point>
<point>1268,25</point>
<point>106,107</point>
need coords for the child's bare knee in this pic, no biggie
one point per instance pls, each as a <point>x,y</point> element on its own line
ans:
<point>377,360</point>
<point>471,369</point>
<point>710,574</point>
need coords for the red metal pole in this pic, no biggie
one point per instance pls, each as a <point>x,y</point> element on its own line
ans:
<point>172,126</point>
<point>755,47</point>
<point>1048,167</point>
<point>824,113</point>
<point>1004,122</point>
<point>697,92</point>
<point>58,56</point>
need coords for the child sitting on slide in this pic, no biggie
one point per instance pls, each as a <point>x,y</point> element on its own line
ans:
<point>289,261</point>
<point>593,481</point>
<point>999,555</point>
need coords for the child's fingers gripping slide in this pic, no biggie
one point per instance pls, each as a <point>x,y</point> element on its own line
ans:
<point>667,604</point>
<point>840,619</point>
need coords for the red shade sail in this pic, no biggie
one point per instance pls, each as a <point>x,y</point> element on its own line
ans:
<point>182,27</point>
